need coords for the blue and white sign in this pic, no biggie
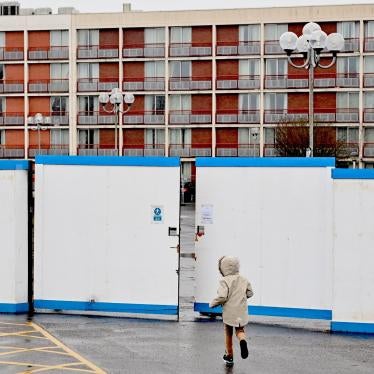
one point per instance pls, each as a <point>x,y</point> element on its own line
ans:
<point>157,214</point>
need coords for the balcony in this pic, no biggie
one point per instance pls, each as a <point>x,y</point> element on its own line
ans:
<point>48,53</point>
<point>187,117</point>
<point>340,115</point>
<point>190,49</point>
<point>144,118</point>
<point>144,84</point>
<point>96,150</point>
<point>54,150</point>
<point>48,86</point>
<point>369,44</point>
<point>97,51</point>
<point>190,83</point>
<point>95,118</point>
<point>369,115</point>
<point>235,82</point>
<point>190,150</point>
<point>144,150</point>
<point>285,116</point>
<point>96,84</point>
<point>11,54</point>
<point>368,150</point>
<point>12,151</point>
<point>56,118</point>
<point>237,116</point>
<point>238,48</point>
<point>237,150</point>
<point>286,81</point>
<point>369,80</point>
<point>11,86</point>
<point>144,50</point>
<point>12,119</point>
<point>326,80</point>
<point>351,45</point>
<point>272,47</point>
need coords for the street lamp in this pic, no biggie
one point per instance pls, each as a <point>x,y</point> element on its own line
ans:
<point>115,98</point>
<point>311,44</point>
<point>38,119</point>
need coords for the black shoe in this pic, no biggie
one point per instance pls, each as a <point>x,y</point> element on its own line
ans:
<point>243,348</point>
<point>228,360</point>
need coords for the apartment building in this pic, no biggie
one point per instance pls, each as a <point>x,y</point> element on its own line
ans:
<point>207,83</point>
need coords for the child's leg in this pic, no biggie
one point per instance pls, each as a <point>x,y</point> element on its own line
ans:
<point>240,334</point>
<point>228,340</point>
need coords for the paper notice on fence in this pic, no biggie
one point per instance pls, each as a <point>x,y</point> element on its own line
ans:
<point>206,214</point>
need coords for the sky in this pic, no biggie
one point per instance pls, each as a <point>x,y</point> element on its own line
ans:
<point>88,6</point>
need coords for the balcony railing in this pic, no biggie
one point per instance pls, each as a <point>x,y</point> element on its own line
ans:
<point>96,150</point>
<point>351,45</point>
<point>350,149</point>
<point>96,84</point>
<point>155,117</point>
<point>48,85</point>
<point>11,54</point>
<point>190,150</point>
<point>272,47</point>
<point>238,48</point>
<point>12,119</point>
<point>190,83</point>
<point>369,44</point>
<point>12,151</point>
<point>237,116</point>
<point>144,50</point>
<point>369,80</point>
<point>286,81</point>
<point>144,84</point>
<point>368,149</point>
<point>187,117</point>
<point>325,80</point>
<point>369,115</point>
<point>190,49</point>
<point>55,118</point>
<point>235,82</point>
<point>95,118</point>
<point>237,150</point>
<point>97,51</point>
<point>270,150</point>
<point>11,86</point>
<point>49,53</point>
<point>144,150</point>
<point>54,149</point>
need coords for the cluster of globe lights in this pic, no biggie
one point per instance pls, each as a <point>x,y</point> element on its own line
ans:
<point>313,38</point>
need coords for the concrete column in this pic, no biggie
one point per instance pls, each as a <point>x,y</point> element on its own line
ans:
<point>262,74</point>
<point>214,99</point>
<point>166,91</point>
<point>361,98</point>
<point>120,134</point>
<point>26,96</point>
<point>73,100</point>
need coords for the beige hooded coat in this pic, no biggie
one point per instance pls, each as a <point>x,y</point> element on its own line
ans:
<point>233,292</point>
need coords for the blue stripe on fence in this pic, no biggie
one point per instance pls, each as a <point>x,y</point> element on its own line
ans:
<point>14,165</point>
<point>108,161</point>
<point>273,311</point>
<point>353,327</point>
<point>106,307</point>
<point>14,308</point>
<point>352,174</point>
<point>265,162</point>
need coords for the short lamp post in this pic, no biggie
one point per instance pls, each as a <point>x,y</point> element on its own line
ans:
<point>310,45</point>
<point>111,103</point>
<point>38,120</point>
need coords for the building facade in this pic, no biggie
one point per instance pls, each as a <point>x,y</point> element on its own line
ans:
<point>207,83</point>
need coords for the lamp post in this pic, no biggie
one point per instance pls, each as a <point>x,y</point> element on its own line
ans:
<point>38,119</point>
<point>311,44</point>
<point>115,98</point>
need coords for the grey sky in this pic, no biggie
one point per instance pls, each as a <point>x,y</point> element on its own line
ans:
<point>116,5</point>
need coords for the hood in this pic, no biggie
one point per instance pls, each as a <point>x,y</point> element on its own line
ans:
<point>228,265</point>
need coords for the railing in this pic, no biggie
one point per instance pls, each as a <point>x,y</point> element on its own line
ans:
<point>272,47</point>
<point>325,80</point>
<point>12,151</point>
<point>351,45</point>
<point>11,86</point>
<point>95,118</point>
<point>368,149</point>
<point>53,149</point>
<point>286,81</point>
<point>270,150</point>
<point>155,117</point>
<point>369,44</point>
<point>11,54</point>
<point>235,82</point>
<point>187,117</point>
<point>236,48</point>
<point>236,116</point>
<point>144,150</point>
<point>190,83</point>
<point>368,114</point>
<point>190,150</point>
<point>96,84</point>
<point>49,53</point>
<point>336,115</point>
<point>48,85</point>
<point>144,84</point>
<point>144,50</point>
<point>12,119</point>
<point>369,80</point>
<point>190,49</point>
<point>96,150</point>
<point>54,118</point>
<point>350,149</point>
<point>97,51</point>
<point>237,150</point>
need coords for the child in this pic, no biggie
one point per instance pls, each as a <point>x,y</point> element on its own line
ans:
<point>233,292</point>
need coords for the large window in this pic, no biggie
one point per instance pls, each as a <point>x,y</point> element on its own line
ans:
<point>248,102</point>
<point>154,35</point>
<point>1,72</point>
<point>248,136</point>
<point>349,30</point>
<point>88,38</point>
<point>348,65</point>
<point>154,69</point>
<point>88,138</point>
<point>276,67</point>
<point>59,137</point>
<point>155,104</point>
<point>88,70</point>
<point>180,102</point>
<point>347,100</point>
<point>347,134</point>
<point>59,105</point>
<point>249,33</point>
<point>180,35</point>
<point>274,31</point>
<point>275,101</point>
<point>180,137</point>
<point>154,137</point>
<point>249,67</point>
<point>60,71</point>
<point>59,38</point>
<point>88,104</point>
<point>180,69</point>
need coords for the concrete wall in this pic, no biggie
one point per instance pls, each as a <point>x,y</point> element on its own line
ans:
<point>14,236</point>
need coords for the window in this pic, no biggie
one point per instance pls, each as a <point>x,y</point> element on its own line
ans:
<point>59,71</point>
<point>248,102</point>
<point>180,69</point>
<point>349,30</point>
<point>249,33</point>
<point>154,137</point>
<point>88,70</point>
<point>88,137</point>
<point>269,135</point>
<point>2,137</point>
<point>88,38</point>
<point>275,101</point>
<point>2,105</point>
<point>181,35</point>
<point>154,35</point>
<point>59,38</point>
<point>249,67</point>
<point>369,135</point>
<point>347,65</point>
<point>1,71</point>
<point>180,137</point>
<point>88,104</point>
<point>274,31</point>
<point>59,105</point>
<point>2,39</point>
<point>155,104</point>
<point>346,100</point>
<point>369,100</point>
<point>59,137</point>
<point>276,67</point>
<point>180,102</point>
<point>369,29</point>
<point>347,134</point>
<point>248,136</point>
<point>369,64</point>
<point>154,69</point>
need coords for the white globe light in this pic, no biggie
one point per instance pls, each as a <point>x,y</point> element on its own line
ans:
<point>116,98</point>
<point>129,98</point>
<point>103,98</point>
<point>288,41</point>
<point>309,28</point>
<point>318,40</point>
<point>302,44</point>
<point>335,42</point>
<point>38,118</point>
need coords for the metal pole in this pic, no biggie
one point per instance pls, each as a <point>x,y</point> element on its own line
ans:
<point>115,128</point>
<point>38,138</point>
<point>311,102</point>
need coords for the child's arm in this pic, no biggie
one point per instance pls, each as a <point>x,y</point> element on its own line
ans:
<point>249,291</point>
<point>222,294</point>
